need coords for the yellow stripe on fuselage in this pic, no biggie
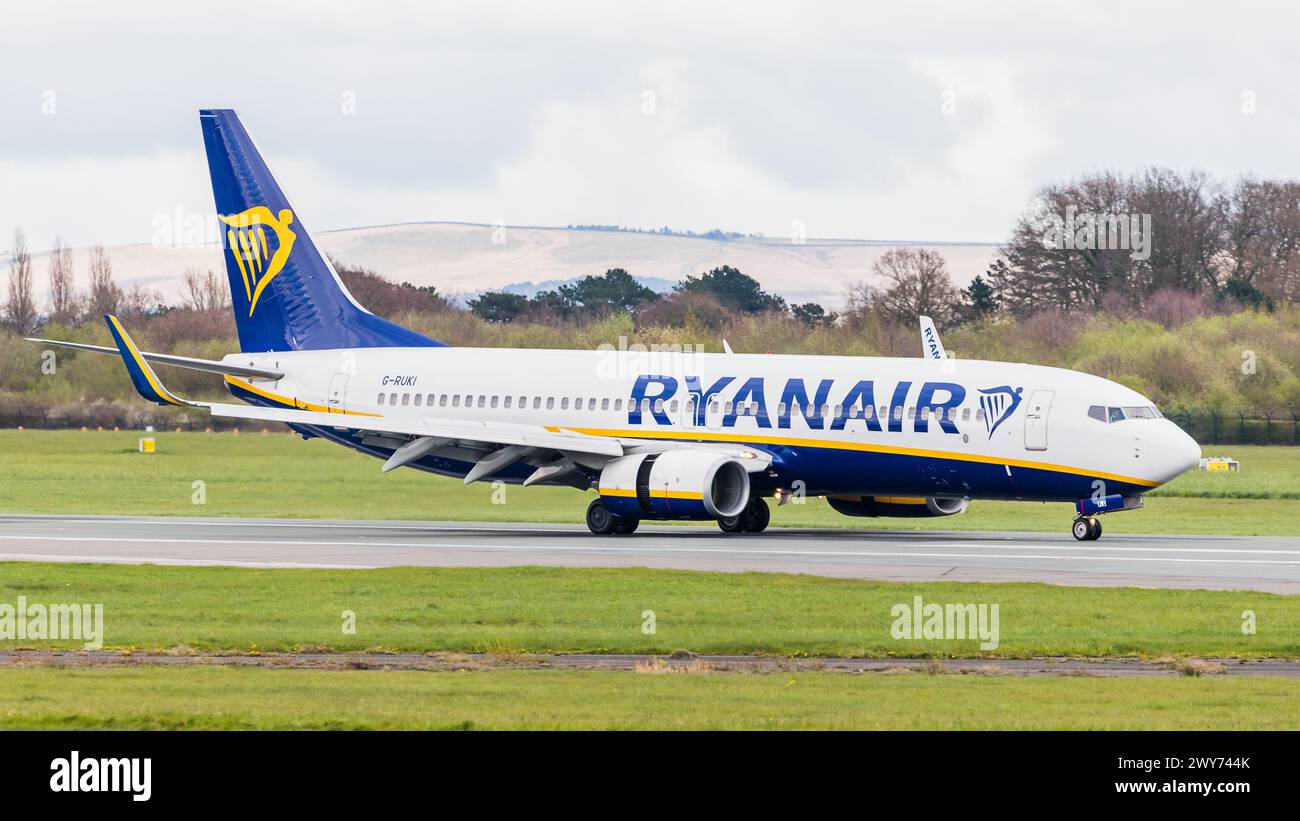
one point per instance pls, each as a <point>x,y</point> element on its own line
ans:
<point>758,439</point>
<point>292,402</point>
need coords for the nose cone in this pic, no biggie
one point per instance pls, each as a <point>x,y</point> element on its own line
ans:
<point>1171,452</point>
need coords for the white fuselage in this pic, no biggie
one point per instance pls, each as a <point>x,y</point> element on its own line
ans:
<point>961,428</point>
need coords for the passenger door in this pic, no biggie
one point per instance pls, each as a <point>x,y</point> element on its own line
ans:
<point>338,391</point>
<point>1040,405</point>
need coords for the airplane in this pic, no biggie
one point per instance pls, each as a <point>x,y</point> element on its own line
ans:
<point>676,434</point>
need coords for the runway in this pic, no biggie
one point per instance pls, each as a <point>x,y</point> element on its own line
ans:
<point>1269,564</point>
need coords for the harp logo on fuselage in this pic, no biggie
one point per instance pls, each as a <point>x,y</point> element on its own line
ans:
<point>999,404</point>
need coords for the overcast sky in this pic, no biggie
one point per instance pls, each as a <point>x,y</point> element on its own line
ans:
<point>878,121</point>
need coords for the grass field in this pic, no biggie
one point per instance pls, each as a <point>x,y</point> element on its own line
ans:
<point>223,698</point>
<point>278,475</point>
<point>591,610</point>
<point>548,610</point>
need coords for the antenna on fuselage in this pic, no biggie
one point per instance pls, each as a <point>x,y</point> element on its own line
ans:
<point>726,348</point>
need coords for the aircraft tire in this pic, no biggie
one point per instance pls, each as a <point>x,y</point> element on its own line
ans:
<point>758,515</point>
<point>1081,530</point>
<point>599,520</point>
<point>732,524</point>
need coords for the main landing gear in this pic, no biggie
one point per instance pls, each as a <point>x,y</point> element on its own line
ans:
<point>753,519</point>
<point>1087,528</point>
<point>603,523</point>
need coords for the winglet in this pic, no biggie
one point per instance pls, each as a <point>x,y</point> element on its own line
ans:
<point>930,343</point>
<point>146,381</point>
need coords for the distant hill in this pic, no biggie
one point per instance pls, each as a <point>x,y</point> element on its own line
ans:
<point>461,259</point>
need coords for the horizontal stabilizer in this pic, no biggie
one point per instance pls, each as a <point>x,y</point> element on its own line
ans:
<point>209,365</point>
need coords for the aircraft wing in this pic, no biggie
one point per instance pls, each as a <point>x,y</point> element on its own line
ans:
<point>501,444</point>
<point>498,433</point>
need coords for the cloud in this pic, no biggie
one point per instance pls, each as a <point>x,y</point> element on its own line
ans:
<point>763,114</point>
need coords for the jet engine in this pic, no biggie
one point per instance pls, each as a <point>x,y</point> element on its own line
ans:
<point>675,484</point>
<point>897,506</point>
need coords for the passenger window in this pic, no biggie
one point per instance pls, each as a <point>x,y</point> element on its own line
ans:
<point>727,409</point>
<point>537,403</point>
<point>869,412</point>
<point>455,401</point>
<point>442,400</point>
<point>979,414</point>
<point>674,406</point>
<point>419,398</point>
<point>618,404</point>
<point>1097,412</point>
<point>508,400</point>
<point>481,400</point>
<point>550,403</point>
<point>392,399</point>
<point>659,406</point>
<point>604,404</point>
<point>826,410</point>
<point>381,399</point>
<point>898,412</point>
<point>494,401</point>
<point>564,403</point>
<point>780,409</point>
<point>965,414</point>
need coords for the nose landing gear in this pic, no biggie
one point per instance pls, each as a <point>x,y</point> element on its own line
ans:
<point>1087,528</point>
<point>1087,524</point>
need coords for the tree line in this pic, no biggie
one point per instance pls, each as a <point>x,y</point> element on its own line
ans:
<point>1196,306</point>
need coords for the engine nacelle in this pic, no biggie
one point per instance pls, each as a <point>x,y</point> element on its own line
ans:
<point>675,484</point>
<point>897,506</point>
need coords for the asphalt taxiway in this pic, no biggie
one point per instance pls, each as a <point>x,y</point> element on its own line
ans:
<point>1211,562</point>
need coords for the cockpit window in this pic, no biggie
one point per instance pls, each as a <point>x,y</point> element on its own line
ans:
<point>1106,414</point>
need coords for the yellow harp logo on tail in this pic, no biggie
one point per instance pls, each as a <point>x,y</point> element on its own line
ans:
<point>247,241</point>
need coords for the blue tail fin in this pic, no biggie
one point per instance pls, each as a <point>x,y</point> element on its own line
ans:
<point>286,295</point>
